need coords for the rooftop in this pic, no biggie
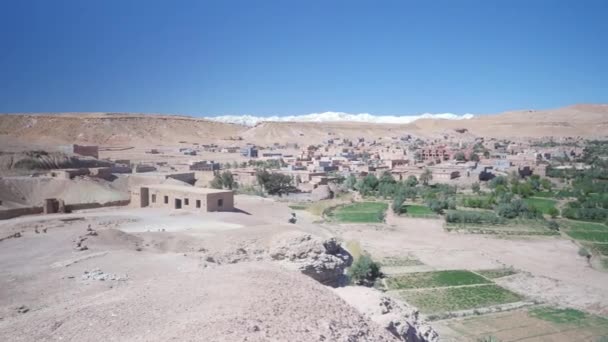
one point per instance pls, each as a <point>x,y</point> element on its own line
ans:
<point>184,188</point>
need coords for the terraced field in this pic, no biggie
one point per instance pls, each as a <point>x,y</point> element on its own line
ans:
<point>362,212</point>
<point>438,293</point>
<point>497,273</point>
<point>417,210</point>
<point>511,227</point>
<point>440,300</point>
<point>526,325</point>
<point>435,279</point>
<point>543,204</point>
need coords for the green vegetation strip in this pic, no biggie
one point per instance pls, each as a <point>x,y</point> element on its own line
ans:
<point>601,248</point>
<point>416,210</point>
<point>407,261</point>
<point>568,316</point>
<point>497,273</point>
<point>363,212</point>
<point>543,204</point>
<point>593,236</point>
<point>435,279</point>
<point>298,206</point>
<point>433,301</point>
<point>584,226</point>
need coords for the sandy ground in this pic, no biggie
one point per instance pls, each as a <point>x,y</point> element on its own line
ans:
<point>158,285</point>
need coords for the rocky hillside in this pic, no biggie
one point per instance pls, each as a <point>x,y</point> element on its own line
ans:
<point>114,129</point>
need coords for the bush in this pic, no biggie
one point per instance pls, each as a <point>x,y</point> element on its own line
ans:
<point>584,252</point>
<point>398,203</point>
<point>364,271</point>
<point>553,225</point>
<point>476,217</point>
<point>553,212</point>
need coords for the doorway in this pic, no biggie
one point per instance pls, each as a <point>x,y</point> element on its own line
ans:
<point>178,203</point>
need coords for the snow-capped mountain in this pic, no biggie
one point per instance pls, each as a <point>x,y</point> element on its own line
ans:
<point>250,120</point>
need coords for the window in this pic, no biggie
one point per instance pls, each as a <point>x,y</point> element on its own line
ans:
<point>186,201</point>
<point>153,198</point>
<point>220,202</point>
<point>166,199</point>
<point>198,203</point>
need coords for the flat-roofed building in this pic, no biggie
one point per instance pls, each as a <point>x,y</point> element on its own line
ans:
<point>184,197</point>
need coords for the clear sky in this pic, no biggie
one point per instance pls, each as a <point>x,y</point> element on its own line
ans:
<point>295,57</point>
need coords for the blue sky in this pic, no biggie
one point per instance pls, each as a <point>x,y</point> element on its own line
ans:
<point>296,57</point>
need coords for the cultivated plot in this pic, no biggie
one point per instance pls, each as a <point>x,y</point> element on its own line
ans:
<point>362,212</point>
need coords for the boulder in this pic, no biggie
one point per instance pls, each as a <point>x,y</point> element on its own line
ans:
<point>321,192</point>
<point>322,260</point>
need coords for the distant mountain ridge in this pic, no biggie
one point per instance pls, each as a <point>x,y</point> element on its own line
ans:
<point>586,120</point>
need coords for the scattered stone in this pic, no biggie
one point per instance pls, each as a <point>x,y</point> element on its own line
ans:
<point>97,274</point>
<point>401,320</point>
<point>12,236</point>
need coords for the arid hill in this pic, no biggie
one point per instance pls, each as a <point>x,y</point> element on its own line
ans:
<point>114,129</point>
<point>145,129</point>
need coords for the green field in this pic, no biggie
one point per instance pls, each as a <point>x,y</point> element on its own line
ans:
<point>584,226</point>
<point>497,273</point>
<point>542,204</point>
<point>443,300</point>
<point>434,279</point>
<point>545,194</point>
<point>592,236</point>
<point>362,212</point>
<point>601,248</point>
<point>416,210</point>
<point>298,206</point>
<point>394,261</point>
<point>568,316</point>
<point>511,227</point>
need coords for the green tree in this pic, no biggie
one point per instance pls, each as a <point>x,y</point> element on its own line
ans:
<point>426,177</point>
<point>216,182</point>
<point>275,183</point>
<point>460,156</point>
<point>411,181</point>
<point>553,212</point>
<point>486,154</point>
<point>546,184</point>
<point>476,187</point>
<point>474,157</point>
<point>350,182</point>
<point>398,203</point>
<point>364,271</point>
<point>228,180</point>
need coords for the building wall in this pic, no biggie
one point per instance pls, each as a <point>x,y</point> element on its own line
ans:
<point>208,202</point>
<point>91,151</point>
<point>227,199</point>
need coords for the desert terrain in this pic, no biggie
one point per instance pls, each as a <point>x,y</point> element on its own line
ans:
<point>89,251</point>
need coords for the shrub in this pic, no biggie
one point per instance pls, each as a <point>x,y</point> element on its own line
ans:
<point>553,225</point>
<point>477,217</point>
<point>584,252</point>
<point>553,212</point>
<point>476,187</point>
<point>398,203</point>
<point>364,271</point>
<point>488,339</point>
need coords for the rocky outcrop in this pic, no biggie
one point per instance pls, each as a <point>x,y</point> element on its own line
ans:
<point>322,260</point>
<point>322,192</point>
<point>403,321</point>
